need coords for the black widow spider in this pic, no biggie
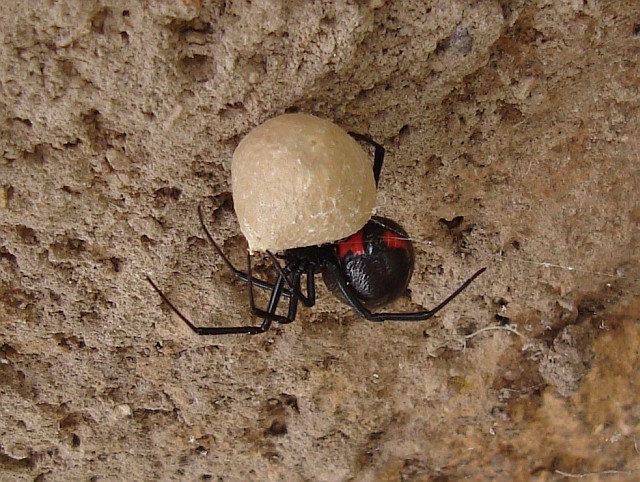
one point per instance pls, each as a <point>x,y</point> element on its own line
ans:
<point>365,270</point>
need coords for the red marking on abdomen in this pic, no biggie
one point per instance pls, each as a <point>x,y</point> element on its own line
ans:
<point>394,240</point>
<point>353,244</point>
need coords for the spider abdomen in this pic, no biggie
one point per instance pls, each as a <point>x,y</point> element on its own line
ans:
<point>377,262</point>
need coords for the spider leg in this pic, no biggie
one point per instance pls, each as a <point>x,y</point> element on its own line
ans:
<point>269,315</point>
<point>236,272</point>
<point>200,330</point>
<point>293,301</point>
<point>294,286</point>
<point>364,312</point>
<point>378,156</point>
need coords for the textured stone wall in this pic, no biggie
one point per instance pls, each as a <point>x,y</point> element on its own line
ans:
<point>511,130</point>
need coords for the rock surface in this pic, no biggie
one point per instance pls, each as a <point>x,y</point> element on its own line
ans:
<point>511,130</point>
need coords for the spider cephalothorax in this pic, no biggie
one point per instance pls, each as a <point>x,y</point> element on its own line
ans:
<point>366,270</point>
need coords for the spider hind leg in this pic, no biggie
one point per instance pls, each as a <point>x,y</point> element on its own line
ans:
<point>364,312</point>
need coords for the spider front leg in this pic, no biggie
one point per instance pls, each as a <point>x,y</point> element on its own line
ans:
<point>269,315</point>
<point>204,330</point>
<point>307,300</point>
<point>236,272</point>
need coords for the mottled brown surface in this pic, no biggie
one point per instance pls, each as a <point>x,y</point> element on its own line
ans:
<point>511,130</point>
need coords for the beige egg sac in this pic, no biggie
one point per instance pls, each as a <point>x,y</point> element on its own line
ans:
<point>299,180</point>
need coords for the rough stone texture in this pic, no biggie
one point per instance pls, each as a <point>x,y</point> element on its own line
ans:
<point>511,130</point>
